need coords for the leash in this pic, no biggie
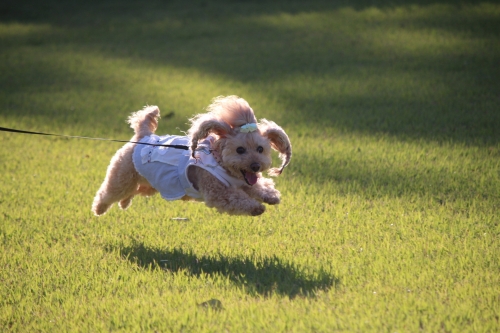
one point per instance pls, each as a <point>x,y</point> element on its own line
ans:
<point>12,130</point>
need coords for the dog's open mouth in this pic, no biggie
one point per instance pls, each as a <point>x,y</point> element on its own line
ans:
<point>250,177</point>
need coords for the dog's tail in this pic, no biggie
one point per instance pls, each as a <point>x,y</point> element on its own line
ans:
<point>144,122</point>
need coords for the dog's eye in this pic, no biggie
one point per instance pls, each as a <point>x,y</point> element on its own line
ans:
<point>260,149</point>
<point>240,150</point>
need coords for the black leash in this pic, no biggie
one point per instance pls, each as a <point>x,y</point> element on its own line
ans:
<point>5,129</point>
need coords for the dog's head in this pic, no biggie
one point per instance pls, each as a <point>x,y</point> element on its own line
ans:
<point>242,146</point>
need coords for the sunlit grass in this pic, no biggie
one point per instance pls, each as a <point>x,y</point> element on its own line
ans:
<point>389,218</point>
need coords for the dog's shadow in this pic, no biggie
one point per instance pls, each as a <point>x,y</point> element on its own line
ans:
<point>257,277</point>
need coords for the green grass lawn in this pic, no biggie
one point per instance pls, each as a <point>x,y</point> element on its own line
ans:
<point>390,211</point>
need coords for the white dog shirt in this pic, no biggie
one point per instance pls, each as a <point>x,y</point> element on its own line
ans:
<point>165,168</point>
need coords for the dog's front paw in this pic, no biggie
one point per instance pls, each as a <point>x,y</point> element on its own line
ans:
<point>271,200</point>
<point>271,196</point>
<point>258,210</point>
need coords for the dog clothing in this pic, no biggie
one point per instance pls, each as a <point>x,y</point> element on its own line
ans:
<point>165,168</point>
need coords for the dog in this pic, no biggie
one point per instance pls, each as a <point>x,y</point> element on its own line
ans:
<point>227,152</point>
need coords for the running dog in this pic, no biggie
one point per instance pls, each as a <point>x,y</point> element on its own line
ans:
<point>220,161</point>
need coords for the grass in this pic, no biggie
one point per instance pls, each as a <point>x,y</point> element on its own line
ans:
<point>389,218</point>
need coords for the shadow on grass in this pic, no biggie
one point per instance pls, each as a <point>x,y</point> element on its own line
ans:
<point>257,277</point>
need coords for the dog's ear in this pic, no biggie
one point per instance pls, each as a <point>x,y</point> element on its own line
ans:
<point>204,127</point>
<point>279,142</point>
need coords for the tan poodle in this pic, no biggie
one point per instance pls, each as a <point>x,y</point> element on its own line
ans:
<point>220,161</point>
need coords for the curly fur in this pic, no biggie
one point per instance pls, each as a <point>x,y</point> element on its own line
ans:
<point>223,120</point>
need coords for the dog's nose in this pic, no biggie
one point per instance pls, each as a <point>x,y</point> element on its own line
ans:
<point>255,167</point>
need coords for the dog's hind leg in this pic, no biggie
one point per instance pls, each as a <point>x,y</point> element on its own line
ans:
<point>121,182</point>
<point>144,190</point>
<point>125,203</point>
<point>109,194</point>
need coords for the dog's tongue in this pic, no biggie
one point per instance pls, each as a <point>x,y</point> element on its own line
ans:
<point>251,177</point>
